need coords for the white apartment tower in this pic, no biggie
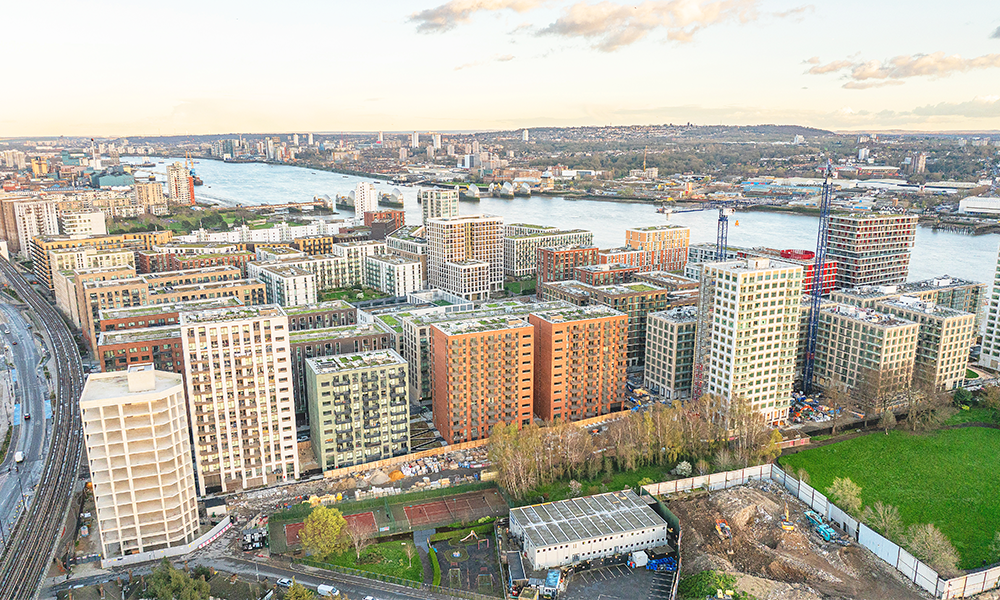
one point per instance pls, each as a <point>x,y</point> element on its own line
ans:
<point>465,255</point>
<point>436,203</point>
<point>136,429</point>
<point>748,329</point>
<point>180,185</point>
<point>365,198</point>
<point>415,140</point>
<point>990,356</point>
<point>239,379</point>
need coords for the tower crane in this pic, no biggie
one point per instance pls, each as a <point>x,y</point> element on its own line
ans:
<point>816,294</point>
<point>726,210</point>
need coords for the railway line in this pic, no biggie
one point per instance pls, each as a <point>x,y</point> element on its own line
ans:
<point>31,545</point>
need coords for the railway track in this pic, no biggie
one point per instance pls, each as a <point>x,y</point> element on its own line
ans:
<point>31,545</point>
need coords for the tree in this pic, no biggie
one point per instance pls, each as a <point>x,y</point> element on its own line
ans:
<point>927,543</point>
<point>884,518</point>
<point>962,396</point>
<point>887,421</point>
<point>995,546</point>
<point>299,592</point>
<point>410,551</point>
<point>360,535</point>
<point>323,534</point>
<point>846,494</point>
<point>575,487</point>
<point>702,466</point>
<point>839,401</point>
<point>168,583</point>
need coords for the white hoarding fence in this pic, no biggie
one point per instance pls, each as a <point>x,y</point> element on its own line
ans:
<point>142,557</point>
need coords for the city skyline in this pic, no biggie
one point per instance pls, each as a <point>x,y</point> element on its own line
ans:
<point>504,64</point>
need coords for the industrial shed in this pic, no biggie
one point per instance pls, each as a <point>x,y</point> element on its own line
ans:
<point>561,533</point>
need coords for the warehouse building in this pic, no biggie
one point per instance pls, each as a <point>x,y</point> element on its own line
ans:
<point>561,533</point>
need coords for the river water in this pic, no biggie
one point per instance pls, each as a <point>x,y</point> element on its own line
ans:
<point>934,253</point>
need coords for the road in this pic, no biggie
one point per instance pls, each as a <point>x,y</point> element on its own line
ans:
<point>30,388</point>
<point>30,546</point>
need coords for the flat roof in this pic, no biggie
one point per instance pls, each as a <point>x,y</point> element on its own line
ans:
<point>334,333</point>
<point>577,313</point>
<point>579,519</point>
<point>938,283</point>
<point>681,314</point>
<point>319,307</point>
<point>492,309</point>
<point>190,272</point>
<point>392,259</point>
<point>866,315</point>
<point>173,288</point>
<point>236,313</point>
<point>145,334</point>
<point>631,288</point>
<point>483,324</point>
<point>351,362</point>
<point>282,270</point>
<point>167,307</point>
<point>548,233</point>
<point>656,228</point>
<point>928,308</point>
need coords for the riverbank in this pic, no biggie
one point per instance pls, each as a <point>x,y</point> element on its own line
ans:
<point>314,167</point>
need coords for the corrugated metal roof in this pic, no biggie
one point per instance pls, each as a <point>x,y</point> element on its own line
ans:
<point>577,519</point>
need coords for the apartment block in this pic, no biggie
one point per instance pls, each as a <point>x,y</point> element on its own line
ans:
<point>148,196</point>
<point>358,409</point>
<point>82,222</point>
<point>604,274</point>
<point>394,219</point>
<point>950,292</point>
<point>158,346</point>
<point>26,218</point>
<point>483,374</point>
<point>521,245</point>
<point>239,386</point>
<point>670,338</point>
<point>286,285</point>
<point>135,428</point>
<point>330,341</point>
<point>632,257</point>
<point>409,242</point>
<point>68,288</point>
<point>944,339</point>
<point>457,248</point>
<point>749,315</point>
<point>871,249</point>
<point>332,313</point>
<point>579,362</point>
<point>805,259</point>
<point>867,351</point>
<point>90,258</point>
<point>393,275</point>
<point>667,280</point>
<point>435,203</point>
<point>667,243</point>
<point>315,244</point>
<point>557,263</point>
<point>41,245</point>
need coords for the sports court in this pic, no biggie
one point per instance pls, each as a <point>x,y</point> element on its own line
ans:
<point>292,530</point>
<point>464,508</point>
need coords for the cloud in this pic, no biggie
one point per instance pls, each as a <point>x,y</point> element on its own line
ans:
<point>494,58</point>
<point>797,13</point>
<point>996,34</point>
<point>868,74</point>
<point>983,107</point>
<point>812,61</point>
<point>449,15</point>
<point>613,25</point>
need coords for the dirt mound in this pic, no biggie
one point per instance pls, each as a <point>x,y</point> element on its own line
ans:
<point>795,564</point>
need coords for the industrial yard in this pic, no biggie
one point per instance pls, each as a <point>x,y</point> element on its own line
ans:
<point>771,563</point>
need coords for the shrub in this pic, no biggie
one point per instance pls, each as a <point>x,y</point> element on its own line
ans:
<point>683,469</point>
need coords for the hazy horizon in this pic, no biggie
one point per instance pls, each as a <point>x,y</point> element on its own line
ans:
<point>115,69</point>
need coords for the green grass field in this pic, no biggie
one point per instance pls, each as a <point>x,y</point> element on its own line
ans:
<point>387,558</point>
<point>948,478</point>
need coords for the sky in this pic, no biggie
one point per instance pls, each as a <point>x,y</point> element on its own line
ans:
<point>108,68</point>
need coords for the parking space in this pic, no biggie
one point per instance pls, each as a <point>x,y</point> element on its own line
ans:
<point>613,583</point>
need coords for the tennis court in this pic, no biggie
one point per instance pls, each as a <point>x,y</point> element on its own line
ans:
<point>463,508</point>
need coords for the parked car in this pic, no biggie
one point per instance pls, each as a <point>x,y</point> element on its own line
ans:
<point>284,583</point>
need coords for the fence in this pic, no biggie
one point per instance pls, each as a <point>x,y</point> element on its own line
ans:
<point>409,583</point>
<point>901,560</point>
<point>201,542</point>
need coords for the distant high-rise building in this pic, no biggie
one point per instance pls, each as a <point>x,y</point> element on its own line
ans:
<point>871,249</point>
<point>402,154</point>
<point>863,153</point>
<point>310,139</point>
<point>26,218</point>
<point>751,324</point>
<point>436,139</point>
<point>380,138</point>
<point>365,198</point>
<point>524,135</point>
<point>139,457</point>
<point>430,152</point>
<point>180,184</point>
<point>917,163</point>
<point>415,140</point>
<point>436,203</point>
<point>465,255</point>
<point>238,371</point>
<point>990,357</point>
<point>148,196</point>
<point>475,146</point>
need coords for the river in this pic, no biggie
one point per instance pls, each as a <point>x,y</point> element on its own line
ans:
<point>934,253</point>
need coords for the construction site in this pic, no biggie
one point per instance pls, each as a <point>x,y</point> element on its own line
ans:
<point>777,548</point>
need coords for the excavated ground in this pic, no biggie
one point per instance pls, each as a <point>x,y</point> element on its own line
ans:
<point>773,564</point>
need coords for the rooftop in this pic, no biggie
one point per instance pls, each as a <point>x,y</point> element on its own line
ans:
<point>480,325</point>
<point>631,288</point>
<point>146,334</point>
<point>283,270</point>
<point>578,519</point>
<point>620,250</point>
<point>351,362</point>
<point>169,307</point>
<point>607,268</point>
<point>866,315</point>
<point>107,283</point>
<point>235,313</point>
<point>191,272</point>
<point>577,313</point>
<point>656,228</point>
<point>280,250</point>
<point>392,259</point>
<point>682,314</point>
<point>937,283</point>
<point>207,285</point>
<point>531,226</point>
<point>334,333</point>
<point>410,233</point>
<point>548,233</point>
<point>102,387</point>
<point>319,307</point>
<point>910,303</point>
<point>570,247</point>
<point>754,264</point>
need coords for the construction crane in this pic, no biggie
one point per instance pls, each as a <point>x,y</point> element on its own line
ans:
<point>817,278</point>
<point>726,210</point>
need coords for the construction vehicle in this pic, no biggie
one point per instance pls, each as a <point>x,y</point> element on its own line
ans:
<point>825,531</point>
<point>786,523</point>
<point>723,530</point>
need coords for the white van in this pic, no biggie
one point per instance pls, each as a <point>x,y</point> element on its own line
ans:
<point>18,457</point>
<point>327,590</point>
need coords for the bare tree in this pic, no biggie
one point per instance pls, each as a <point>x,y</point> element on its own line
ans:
<point>410,551</point>
<point>847,494</point>
<point>884,518</point>
<point>360,535</point>
<point>930,545</point>
<point>837,398</point>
